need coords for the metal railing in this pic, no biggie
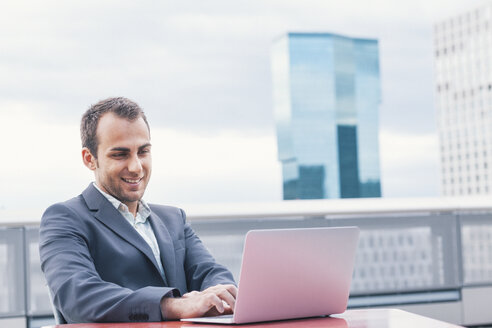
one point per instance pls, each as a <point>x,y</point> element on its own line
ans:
<point>410,252</point>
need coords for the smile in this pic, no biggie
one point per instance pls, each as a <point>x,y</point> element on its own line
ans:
<point>132,180</point>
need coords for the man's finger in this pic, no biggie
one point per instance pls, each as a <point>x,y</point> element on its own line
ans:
<point>227,293</point>
<point>232,289</point>
<point>215,301</point>
<point>227,297</point>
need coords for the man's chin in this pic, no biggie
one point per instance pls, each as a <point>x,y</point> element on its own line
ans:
<point>132,196</point>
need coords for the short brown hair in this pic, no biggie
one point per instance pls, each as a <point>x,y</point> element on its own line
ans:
<point>123,107</point>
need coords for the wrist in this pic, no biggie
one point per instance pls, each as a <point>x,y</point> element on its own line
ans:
<point>170,308</point>
<point>165,313</point>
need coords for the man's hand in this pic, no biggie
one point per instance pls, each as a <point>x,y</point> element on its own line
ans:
<point>212,301</point>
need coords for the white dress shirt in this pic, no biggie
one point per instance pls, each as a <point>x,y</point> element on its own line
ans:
<point>139,222</point>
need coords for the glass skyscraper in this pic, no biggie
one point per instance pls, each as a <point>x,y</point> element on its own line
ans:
<point>326,97</point>
<point>463,76</point>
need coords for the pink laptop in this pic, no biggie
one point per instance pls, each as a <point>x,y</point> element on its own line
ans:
<point>293,273</point>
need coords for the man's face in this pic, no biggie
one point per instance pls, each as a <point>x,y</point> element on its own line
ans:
<point>124,163</point>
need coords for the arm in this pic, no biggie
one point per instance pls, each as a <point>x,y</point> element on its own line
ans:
<point>219,299</point>
<point>201,269</point>
<point>78,290</point>
<point>212,286</point>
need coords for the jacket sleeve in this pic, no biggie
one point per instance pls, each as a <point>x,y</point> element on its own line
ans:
<point>201,269</point>
<point>78,291</point>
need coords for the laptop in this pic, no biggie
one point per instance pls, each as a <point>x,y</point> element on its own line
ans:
<point>293,273</point>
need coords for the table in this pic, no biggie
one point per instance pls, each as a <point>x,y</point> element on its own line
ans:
<point>367,318</point>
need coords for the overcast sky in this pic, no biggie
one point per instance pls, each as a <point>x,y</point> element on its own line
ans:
<point>201,71</point>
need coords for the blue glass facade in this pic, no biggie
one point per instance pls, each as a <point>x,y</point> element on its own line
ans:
<point>326,94</point>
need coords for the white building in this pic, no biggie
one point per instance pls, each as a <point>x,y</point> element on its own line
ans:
<point>463,67</point>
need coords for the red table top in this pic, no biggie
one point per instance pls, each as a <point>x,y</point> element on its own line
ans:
<point>368,318</point>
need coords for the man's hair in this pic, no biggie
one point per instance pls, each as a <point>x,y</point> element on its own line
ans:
<point>122,107</point>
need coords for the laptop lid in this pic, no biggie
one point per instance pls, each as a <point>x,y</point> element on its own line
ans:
<point>294,273</point>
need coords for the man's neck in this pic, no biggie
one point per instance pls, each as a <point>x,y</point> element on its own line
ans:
<point>132,207</point>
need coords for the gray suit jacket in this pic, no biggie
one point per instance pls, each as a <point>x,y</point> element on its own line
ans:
<point>99,269</point>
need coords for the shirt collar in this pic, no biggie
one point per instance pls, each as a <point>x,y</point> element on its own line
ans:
<point>143,211</point>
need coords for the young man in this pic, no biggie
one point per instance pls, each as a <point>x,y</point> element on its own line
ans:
<point>107,255</point>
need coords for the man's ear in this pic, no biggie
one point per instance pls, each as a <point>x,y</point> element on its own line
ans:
<point>88,159</point>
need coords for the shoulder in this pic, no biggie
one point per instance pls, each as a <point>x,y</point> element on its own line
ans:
<point>165,210</point>
<point>64,219</point>
<point>73,204</point>
<point>71,211</point>
<point>78,204</point>
<point>173,218</point>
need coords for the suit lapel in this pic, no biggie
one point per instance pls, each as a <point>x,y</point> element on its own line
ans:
<point>166,247</point>
<point>107,214</point>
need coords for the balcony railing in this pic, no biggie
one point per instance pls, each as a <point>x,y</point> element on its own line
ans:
<point>430,256</point>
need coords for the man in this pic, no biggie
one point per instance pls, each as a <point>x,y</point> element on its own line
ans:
<point>107,255</point>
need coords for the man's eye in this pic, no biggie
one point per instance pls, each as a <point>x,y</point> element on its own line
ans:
<point>144,151</point>
<point>118,155</point>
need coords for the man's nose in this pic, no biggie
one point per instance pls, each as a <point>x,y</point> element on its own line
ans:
<point>135,164</point>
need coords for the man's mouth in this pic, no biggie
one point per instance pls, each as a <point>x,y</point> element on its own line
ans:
<point>132,181</point>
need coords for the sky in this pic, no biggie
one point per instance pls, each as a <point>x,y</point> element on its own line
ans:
<point>201,71</point>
